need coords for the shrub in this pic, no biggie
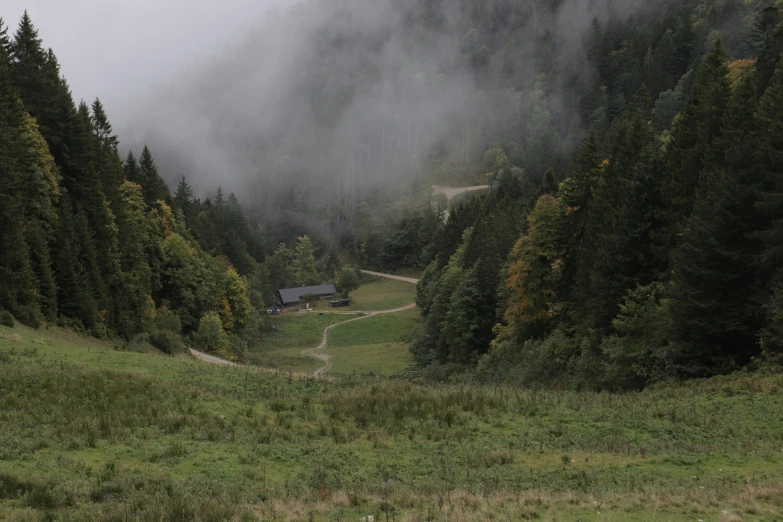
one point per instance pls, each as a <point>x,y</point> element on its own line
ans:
<point>6,319</point>
<point>210,336</point>
<point>167,341</point>
<point>237,346</point>
<point>348,280</point>
<point>168,320</point>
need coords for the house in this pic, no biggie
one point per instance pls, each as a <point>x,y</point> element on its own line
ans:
<point>288,297</point>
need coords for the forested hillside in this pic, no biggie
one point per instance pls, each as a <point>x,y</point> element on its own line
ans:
<point>92,242</point>
<point>657,256</point>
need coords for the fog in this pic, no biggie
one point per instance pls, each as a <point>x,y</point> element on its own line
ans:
<point>325,97</point>
<point>345,93</point>
<point>120,50</point>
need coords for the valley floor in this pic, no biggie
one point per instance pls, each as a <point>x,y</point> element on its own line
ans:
<point>90,433</point>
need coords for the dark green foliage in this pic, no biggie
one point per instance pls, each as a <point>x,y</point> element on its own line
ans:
<point>348,280</point>
<point>694,132</point>
<point>167,341</point>
<point>715,305</point>
<point>155,189</point>
<point>768,40</point>
<point>110,253</point>
<point>6,319</point>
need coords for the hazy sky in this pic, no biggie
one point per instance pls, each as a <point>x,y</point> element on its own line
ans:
<point>119,49</point>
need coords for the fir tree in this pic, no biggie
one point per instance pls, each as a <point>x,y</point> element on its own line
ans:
<point>131,168</point>
<point>693,133</point>
<point>155,189</point>
<point>5,43</point>
<point>768,39</point>
<point>183,199</point>
<point>716,305</point>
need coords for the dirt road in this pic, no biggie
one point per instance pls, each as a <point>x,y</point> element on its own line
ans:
<point>389,276</point>
<point>453,192</point>
<point>318,353</point>
<point>211,358</point>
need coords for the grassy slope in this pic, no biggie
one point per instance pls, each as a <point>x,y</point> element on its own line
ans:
<point>382,294</point>
<point>378,344</point>
<point>296,331</point>
<point>87,433</point>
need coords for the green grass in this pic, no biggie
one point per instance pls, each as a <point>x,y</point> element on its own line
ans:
<point>91,433</point>
<point>295,331</point>
<point>378,345</point>
<point>382,294</point>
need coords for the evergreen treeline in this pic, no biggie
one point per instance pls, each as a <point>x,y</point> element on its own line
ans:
<point>658,256</point>
<point>99,244</point>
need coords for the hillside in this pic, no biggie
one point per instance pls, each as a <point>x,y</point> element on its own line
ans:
<point>90,433</point>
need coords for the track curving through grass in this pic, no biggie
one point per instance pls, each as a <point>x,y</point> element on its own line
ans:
<point>326,358</point>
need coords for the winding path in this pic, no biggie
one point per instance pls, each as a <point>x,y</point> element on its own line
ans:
<point>453,192</point>
<point>318,353</point>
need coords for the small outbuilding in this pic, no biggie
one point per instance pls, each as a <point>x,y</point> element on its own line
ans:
<point>289,297</point>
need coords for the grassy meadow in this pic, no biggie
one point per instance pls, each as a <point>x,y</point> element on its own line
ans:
<point>295,331</point>
<point>378,345</point>
<point>382,294</point>
<point>91,433</point>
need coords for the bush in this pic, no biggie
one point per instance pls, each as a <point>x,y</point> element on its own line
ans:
<point>210,336</point>
<point>167,341</point>
<point>348,280</point>
<point>6,319</point>
<point>237,346</point>
<point>168,320</point>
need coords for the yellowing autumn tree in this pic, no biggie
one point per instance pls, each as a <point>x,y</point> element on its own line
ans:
<point>534,274</point>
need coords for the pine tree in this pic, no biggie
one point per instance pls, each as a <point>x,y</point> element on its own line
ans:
<point>183,199</point>
<point>615,254</point>
<point>467,328</point>
<point>155,189</point>
<point>29,62</point>
<point>693,133</point>
<point>41,264</point>
<point>107,158</point>
<point>102,127</point>
<point>768,39</point>
<point>74,296</point>
<point>770,131</point>
<point>577,194</point>
<point>5,43</point>
<point>716,304</point>
<point>131,169</point>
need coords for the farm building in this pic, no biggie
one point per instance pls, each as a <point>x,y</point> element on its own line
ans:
<point>293,296</point>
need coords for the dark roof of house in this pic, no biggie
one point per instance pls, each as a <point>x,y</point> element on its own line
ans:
<point>293,295</point>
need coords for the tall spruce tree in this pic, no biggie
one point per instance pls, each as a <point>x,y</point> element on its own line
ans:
<point>694,131</point>
<point>155,189</point>
<point>716,301</point>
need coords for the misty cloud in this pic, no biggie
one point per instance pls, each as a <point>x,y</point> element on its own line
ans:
<point>119,50</point>
<point>331,92</point>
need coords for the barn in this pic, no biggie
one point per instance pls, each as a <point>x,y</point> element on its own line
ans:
<point>288,297</point>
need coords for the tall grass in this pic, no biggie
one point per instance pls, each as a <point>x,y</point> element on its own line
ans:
<point>103,435</point>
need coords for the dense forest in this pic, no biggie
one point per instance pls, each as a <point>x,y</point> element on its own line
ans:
<point>100,244</point>
<point>632,234</point>
<point>656,254</point>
